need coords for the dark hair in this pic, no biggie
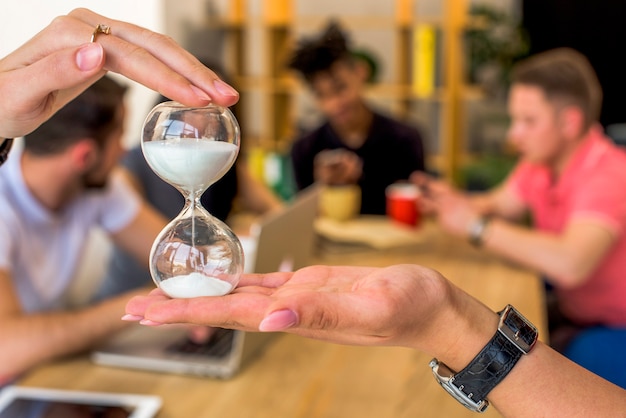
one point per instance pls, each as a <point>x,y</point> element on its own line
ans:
<point>319,54</point>
<point>565,76</point>
<point>92,114</point>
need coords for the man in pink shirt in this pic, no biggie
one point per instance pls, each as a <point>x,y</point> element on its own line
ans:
<point>572,179</point>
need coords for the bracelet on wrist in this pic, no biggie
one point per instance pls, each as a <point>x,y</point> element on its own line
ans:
<point>477,231</point>
<point>5,147</point>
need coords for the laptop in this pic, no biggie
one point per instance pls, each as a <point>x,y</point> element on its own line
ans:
<point>284,241</point>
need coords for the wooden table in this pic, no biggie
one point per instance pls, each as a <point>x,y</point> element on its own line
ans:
<point>299,378</point>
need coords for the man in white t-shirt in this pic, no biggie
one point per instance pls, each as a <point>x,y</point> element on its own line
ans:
<point>51,194</point>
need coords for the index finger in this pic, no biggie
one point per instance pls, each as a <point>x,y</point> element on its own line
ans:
<point>242,311</point>
<point>158,62</point>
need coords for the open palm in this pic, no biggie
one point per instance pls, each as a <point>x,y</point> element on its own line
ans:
<point>351,305</point>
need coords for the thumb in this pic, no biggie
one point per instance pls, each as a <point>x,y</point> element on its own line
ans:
<point>90,58</point>
<point>71,69</point>
<point>46,85</point>
<point>327,318</point>
<point>317,311</point>
<point>278,320</point>
<point>67,69</point>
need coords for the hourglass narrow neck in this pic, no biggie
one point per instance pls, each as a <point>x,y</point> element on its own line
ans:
<point>193,206</point>
<point>192,198</point>
<point>198,223</point>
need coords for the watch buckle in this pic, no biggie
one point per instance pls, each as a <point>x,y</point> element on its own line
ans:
<point>510,334</point>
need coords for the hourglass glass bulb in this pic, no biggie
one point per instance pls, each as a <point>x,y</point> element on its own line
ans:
<point>191,148</point>
<point>196,255</point>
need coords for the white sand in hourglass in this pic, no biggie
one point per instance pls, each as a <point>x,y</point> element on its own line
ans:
<point>194,285</point>
<point>192,164</point>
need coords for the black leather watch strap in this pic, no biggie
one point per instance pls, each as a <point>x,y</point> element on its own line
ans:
<point>488,368</point>
<point>515,337</point>
<point>5,147</point>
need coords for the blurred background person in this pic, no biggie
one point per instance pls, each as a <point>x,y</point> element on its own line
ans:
<point>571,178</point>
<point>356,144</point>
<point>52,193</point>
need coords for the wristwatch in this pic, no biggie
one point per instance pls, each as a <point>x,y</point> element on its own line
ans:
<point>5,147</point>
<point>515,337</point>
<point>477,231</point>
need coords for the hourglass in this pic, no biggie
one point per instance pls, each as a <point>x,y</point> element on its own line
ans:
<point>191,148</point>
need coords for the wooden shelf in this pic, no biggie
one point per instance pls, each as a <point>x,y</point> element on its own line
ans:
<point>359,22</point>
<point>289,84</point>
<point>276,24</point>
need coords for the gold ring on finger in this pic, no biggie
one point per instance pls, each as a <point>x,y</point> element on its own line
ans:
<point>100,28</point>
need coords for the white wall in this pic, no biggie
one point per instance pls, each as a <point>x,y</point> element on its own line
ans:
<point>24,18</point>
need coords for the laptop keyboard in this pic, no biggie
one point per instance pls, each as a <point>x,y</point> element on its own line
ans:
<point>218,345</point>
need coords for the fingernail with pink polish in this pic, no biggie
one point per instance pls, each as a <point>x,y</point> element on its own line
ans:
<point>150,323</point>
<point>132,318</point>
<point>89,56</point>
<point>224,89</point>
<point>278,321</point>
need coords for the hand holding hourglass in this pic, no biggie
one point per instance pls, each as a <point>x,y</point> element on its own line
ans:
<point>191,148</point>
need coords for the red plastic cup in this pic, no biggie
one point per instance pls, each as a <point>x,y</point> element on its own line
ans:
<point>402,203</point>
